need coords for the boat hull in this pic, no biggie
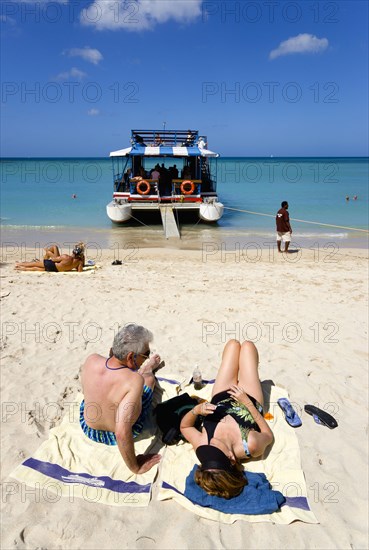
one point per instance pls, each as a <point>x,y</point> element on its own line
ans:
<point>119,213</point>
<point>211,211</point>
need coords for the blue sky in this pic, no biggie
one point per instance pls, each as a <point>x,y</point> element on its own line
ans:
<point>258,78</point>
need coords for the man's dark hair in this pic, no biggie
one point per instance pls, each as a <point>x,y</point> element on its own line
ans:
<point>284,203</point>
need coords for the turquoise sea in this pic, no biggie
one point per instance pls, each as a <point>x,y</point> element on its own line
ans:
<point>36,195</point>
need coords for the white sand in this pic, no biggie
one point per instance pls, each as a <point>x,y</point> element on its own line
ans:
<point>317,349</point>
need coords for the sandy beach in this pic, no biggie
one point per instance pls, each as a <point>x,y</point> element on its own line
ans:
<point>307,312</point>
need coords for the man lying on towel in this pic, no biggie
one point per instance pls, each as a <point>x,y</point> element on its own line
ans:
<point>118,393</point>
<point>54,262</point>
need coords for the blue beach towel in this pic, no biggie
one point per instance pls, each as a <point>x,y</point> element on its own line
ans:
<point>256,498</point>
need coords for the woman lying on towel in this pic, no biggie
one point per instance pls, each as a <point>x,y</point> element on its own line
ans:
<point>233,429</point>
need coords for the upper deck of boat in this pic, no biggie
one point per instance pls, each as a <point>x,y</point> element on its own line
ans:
<point>165,138</point>
<point>171,143</point>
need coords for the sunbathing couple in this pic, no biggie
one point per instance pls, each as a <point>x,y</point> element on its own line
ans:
<point>118,393</point>
<point>55,262</point>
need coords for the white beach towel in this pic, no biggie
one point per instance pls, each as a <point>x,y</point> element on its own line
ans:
<point>70,464</point>
<point>282,466</point>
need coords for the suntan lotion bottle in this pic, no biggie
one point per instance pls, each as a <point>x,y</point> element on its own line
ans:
<point>197,378</point>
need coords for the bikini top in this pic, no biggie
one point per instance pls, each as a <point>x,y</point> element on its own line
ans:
<point>227,406</point>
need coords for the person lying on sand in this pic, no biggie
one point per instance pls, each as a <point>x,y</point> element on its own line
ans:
<point>234,428</point>
<point>55,262</point>
<point>118,392</point>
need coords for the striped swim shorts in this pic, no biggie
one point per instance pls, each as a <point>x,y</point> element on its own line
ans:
<point>108,438</point>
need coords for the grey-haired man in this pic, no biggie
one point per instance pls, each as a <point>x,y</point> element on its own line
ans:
<point>118,393</point>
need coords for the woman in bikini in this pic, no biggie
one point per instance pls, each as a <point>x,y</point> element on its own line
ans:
<point>233,428</point>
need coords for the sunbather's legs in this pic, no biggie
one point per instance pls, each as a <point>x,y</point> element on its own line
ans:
<point>228,370</point>
<point>51,252</point>
<point>248,375</point>
<point>24,268</point>
<point>39,264</point>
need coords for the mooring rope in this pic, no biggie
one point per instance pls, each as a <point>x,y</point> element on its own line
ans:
<point>297,220</point>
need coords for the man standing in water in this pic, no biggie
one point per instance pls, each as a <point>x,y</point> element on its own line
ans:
<point>118,393</point>
<point>284,229</point>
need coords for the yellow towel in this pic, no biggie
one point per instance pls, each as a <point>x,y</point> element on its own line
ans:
<point>69,464</point>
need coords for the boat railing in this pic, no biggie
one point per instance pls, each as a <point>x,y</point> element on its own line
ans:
<point>152,187</point>
<point>176,186</point>
<point>165,138</point>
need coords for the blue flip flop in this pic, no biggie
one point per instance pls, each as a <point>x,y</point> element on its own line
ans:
<point>291,416</point>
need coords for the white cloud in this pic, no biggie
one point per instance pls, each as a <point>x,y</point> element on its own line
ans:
<point>73,73</point>
<point>93,112</point>
<point>139,14</point>
<point>88,54</point>
<point>302,43</point>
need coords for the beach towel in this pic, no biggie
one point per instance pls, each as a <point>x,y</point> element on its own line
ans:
<point>256,498</point>
<point>85,269</point>
<point>281,467</point>
<point>70,464</point>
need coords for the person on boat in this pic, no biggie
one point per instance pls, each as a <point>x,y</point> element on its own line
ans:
<point>118,392</point>
<point>189,139</point>
<point>142,172</point>
<point>155,174</point>
<point>284,229</point>
<point>202,143</point>
<point>165,183</point>
<point>233,428</point>
<point>55,262</point>
<point>123,184</point>
<point>186,173</point>
<point>173,171</point>
<point>139,140</point>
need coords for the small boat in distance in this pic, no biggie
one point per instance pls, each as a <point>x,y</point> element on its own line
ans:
<point>167,171</point>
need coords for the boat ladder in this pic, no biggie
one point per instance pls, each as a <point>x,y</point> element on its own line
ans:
<point>169,223</point>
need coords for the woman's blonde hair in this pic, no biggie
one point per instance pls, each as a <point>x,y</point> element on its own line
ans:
<point>221,483</point>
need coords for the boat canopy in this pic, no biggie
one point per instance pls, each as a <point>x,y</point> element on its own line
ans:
<point>164,151</point>
<point>166,143</point>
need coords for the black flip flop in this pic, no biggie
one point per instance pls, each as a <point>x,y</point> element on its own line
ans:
<point>321,417</point>
<point>117,262</point>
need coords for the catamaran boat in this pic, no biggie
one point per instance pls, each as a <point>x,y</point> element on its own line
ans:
<point>168,171</point>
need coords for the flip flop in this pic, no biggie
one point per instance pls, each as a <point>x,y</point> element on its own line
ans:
<point>321,417</point>
<point>292,418</point>
<point>117,262</point>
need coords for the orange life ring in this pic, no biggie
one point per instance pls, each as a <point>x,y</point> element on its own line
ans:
<point>187,187</point>
<point>143,187</point>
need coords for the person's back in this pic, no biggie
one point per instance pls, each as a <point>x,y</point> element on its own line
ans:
<point>68,263</point>
<point>155,175</point>
<point>103,390</point>
<point>284,229</point>
<point>117,397</point>
<point>282,220</point>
